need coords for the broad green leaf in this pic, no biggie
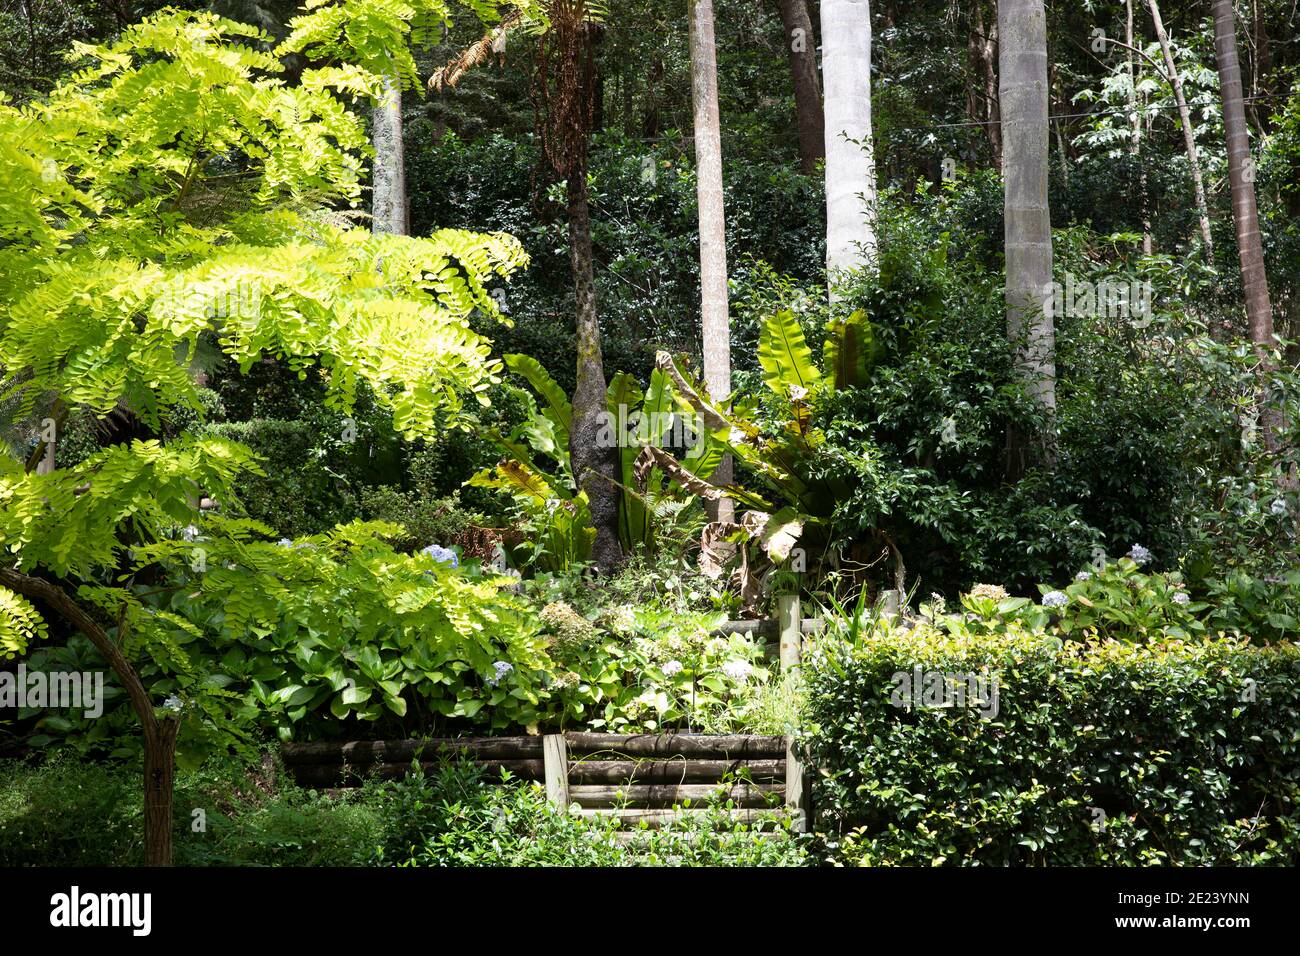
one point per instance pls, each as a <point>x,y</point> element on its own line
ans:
<point>785,357</point>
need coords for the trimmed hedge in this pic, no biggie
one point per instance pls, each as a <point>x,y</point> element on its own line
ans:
<point>1101,753</point>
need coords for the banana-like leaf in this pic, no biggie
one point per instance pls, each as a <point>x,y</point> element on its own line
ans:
<point>850,350</point>
<point>656,410</point>
<point>557,403</point>
<point>776,533</point>
<point>520,480</point>
<point>785,357</point>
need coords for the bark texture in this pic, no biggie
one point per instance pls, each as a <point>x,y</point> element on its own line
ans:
<point>1245,215</point>
<point>593,465</point>
<point>801,52</point>
<point>850,158</point>
<point>1022,29</point>
<point>715,321</point>
<point>388,198</point>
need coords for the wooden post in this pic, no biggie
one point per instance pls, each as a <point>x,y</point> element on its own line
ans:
<point>794,785</point>
<point>787,626</point>
<point>555,767</point>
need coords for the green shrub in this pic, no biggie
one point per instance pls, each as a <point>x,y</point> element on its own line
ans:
<point>69,812</point>
<point>513,825</point>
<point>1096,753</point>
<point>65,812</point>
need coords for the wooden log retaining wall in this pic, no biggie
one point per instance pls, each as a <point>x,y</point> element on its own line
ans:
<point>634,777</point>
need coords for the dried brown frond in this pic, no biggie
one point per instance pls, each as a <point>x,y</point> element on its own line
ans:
<point>475,53</point>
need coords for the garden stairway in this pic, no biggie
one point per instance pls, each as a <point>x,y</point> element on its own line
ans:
<point>639,779</point>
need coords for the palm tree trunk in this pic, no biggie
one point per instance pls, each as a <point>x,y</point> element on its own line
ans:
<point>388,197</point>
<point>1189,138</point>
<point>1245,215</point>
<point>850,158</point>
<point>715,321</point>
<point>802,55</point>
<point>1022,30</point>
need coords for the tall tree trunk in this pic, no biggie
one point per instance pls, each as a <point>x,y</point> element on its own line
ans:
<point>1245,216</point>
<point>715,321</point>
<point>1135,117</point>
<point>652,125</point>
<point>801,52</point>
<point>388,198</point>
<point>1261,65</point>
<point>593,464</point>
<point>1022,30</point>
<point>984,50</point>
<point>1189,137</point>
<point>850,157</point>
<point>159,734</point>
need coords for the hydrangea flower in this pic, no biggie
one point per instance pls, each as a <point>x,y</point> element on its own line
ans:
<point>672,667</point>
<point>1055,599</point>
<point>173,703</point>
<point>1182,597</point>
<point>1083,576</point>
<point>502,668</point>
<point>1139,555</point>
<point>737,670</point>
<point>285,542</point>
<point>442,555</point>
<point>189,533</point>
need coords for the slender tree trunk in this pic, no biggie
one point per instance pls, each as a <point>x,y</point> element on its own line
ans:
<point>652,124</point>
<point>850,157</point>
<point>801,52</point>
<point>1135,143</point>
<point>984,49</point>
<point>1241,177</point>
<point>1189,137</point>
<point>159,735</point>
<point>1063,153</point>
<point>715,320</point>
<point>159,781</point>
<point>1245,215</point>
<point>1022,30</point>
<point>388,198</point>
<point>1261,66</point>
<point>593,465</point>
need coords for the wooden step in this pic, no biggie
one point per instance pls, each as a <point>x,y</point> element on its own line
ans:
<point>592,770</point>
<point>663,817</point>
<point>707,746</point>
<point>668,795</point>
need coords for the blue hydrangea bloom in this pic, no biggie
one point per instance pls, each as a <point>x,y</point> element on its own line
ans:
<point>442,555</point>
<point>1055,599</point>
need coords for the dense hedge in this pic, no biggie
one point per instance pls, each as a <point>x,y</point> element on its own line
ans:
<point>1101,753</point>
